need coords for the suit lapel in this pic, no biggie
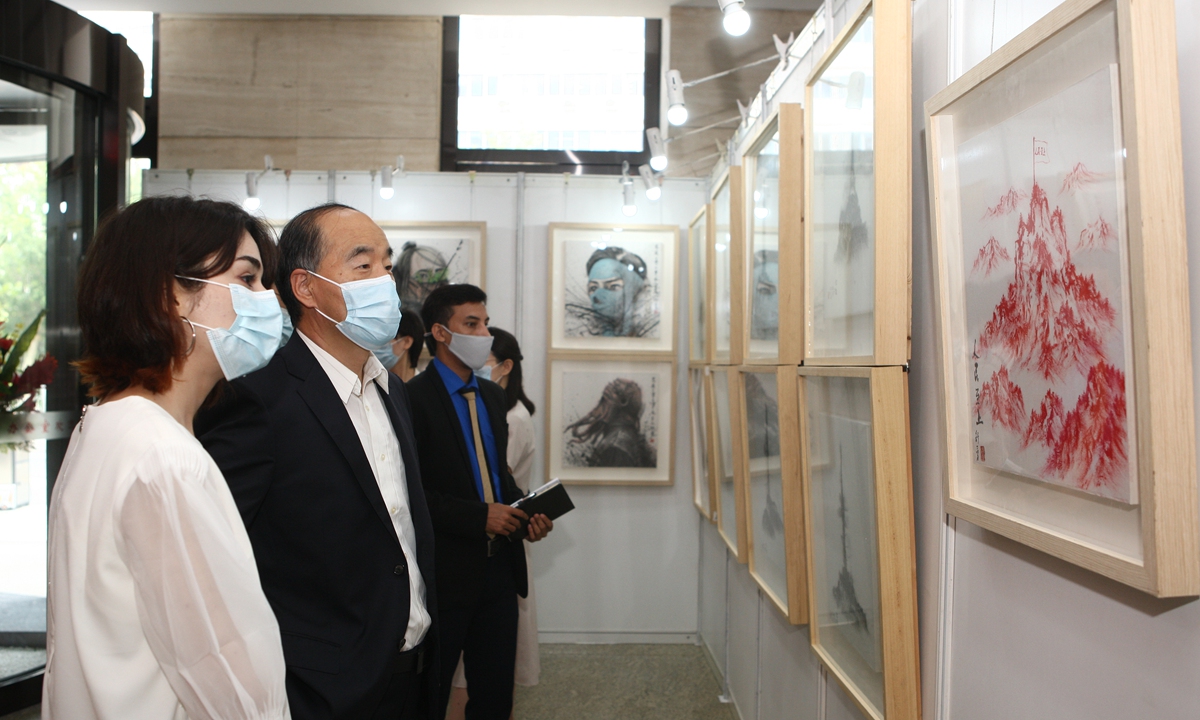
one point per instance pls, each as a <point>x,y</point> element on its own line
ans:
<point>318,393</point>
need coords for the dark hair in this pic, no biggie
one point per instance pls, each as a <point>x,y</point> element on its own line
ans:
<point>439,307</point>
<point>633,261</point>
<point>402,270</point>
<point>301,247</point>
<point>132,332</point>
<point>505,347</point>
<point>412,327</point>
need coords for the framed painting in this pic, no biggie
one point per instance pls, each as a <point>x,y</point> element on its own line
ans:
<point>610,422</point>
<point>858,494</point>
<point>1060,260</point>
<point>858,195</point>
<point>703,475</point>
<point>612,289</point>
<point>773,330</point>
<point>728,229</point>
<point>727,448</point>
<point>699,288</point>
<point>427,255</point>
<point>775,503</point>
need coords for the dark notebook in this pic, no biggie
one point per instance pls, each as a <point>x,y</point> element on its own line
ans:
<point>550,500</point>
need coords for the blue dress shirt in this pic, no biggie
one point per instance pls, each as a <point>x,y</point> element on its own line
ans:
<point>455,386</point>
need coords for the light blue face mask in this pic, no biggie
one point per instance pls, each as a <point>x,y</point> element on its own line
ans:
<point>288,328</point>
<point>387,356</point>
<point>250,342</point>
<point>484,372</point>
<point>372,311</point>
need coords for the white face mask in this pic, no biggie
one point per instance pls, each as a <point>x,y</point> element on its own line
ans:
<point>473,350</point>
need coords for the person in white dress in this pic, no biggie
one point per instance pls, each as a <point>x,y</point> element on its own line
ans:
<point>154,607</point>
<point>504,368</point>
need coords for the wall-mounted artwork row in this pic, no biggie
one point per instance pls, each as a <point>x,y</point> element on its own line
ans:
<point>612,289</point>
<point>774,497</point>
<point>862,586</point>
<point>610,421</point>
<point>1062,295</point>
<point>773,331</point>
<point>857,167</point>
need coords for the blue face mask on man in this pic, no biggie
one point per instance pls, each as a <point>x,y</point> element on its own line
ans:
<point>250,342</point>
<point>372,311</point>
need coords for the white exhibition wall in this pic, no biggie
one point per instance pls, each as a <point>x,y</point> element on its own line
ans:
<point>1006,631</point>
<point>623,566</point>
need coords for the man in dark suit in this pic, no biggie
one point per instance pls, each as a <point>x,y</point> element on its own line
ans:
<point>459,418</point>
<point>318,450</point>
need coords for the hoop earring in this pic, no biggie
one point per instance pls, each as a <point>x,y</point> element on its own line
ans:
<point>193,345</point>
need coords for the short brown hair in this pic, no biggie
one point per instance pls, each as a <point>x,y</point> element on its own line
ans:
<point>132,333</point>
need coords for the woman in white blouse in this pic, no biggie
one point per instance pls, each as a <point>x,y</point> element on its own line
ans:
<point>504,368</point>
<point>155,610</point>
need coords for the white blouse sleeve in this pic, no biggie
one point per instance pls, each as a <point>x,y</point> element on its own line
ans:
<point>198,594</point>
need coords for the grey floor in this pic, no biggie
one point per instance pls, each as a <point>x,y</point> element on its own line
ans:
<point>602,682</point>
<point>631,682</point>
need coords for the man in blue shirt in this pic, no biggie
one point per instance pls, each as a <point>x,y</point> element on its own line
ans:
<point>462,441</point>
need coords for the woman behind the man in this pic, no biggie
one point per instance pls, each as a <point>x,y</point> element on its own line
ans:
<point>154,606</point>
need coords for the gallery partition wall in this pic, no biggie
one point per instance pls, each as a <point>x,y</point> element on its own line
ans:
<point>69,91</point>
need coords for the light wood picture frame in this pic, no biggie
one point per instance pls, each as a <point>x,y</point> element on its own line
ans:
<point>704,477</point>
<point>861,545</point>
<point>858,192</point>
<point>610,421</point>
<point>774,493</point>
<point>773,262</point>
<point>727,449</point>
<point>613,289</point>
<point>700,296</point>
<point>1082,447</point>
<point>728,237</point>
<point>427,255</point>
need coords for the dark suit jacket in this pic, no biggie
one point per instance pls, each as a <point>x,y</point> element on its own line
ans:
<point>327,553</point>
<point>459,516</point>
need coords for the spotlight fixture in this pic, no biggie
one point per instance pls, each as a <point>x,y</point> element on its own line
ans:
<point>386,190</point>
<point>629,205</point>
<point>658,149</point>
<point>652,183</point>
<point>677,113</point>
<point>737,20</point>
<point>251,203</point>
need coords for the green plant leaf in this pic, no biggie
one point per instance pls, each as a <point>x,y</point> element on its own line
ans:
<point>19,349</point>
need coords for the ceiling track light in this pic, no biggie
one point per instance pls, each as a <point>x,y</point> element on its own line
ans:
<point>658,149</point>
<point>386,190</point>
<point>629,204</point>
<point>652,182</point>
<point>252,202</point>
<point>677,113</point>
<point>736,20</point>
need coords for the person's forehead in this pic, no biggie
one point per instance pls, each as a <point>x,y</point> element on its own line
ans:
<point>341,229</point>
<point>467,311</point>
<point>607,265</point>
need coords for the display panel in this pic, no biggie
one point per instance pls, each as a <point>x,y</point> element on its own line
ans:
<point>722,243</point>
<point>698,287</point>
<point>858,192</point>
<point>702,475</point>
<point>731,503</point>
<point>1044,287</point>
<point>763,271</point>
<point>426,256</point>
<point>771,466</point>
<point>612,288</point>
<point>610,422</point>
<point>863,621</point>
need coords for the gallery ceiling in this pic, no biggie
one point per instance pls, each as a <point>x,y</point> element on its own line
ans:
<point>639,8</point>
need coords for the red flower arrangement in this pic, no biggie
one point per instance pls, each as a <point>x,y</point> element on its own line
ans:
<point>18,390</point>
